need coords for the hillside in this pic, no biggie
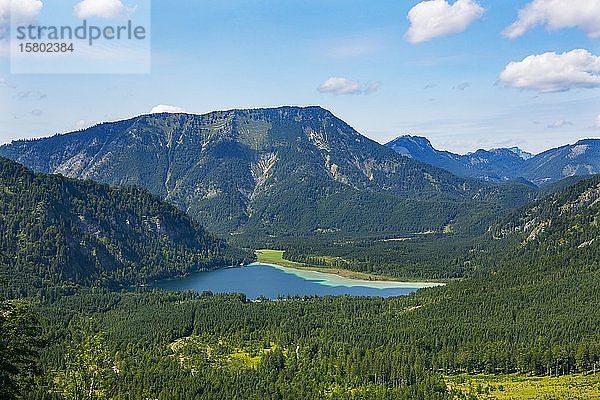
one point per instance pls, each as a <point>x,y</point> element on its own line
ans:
<point>531,312</point>
<point>533,307</point>
<point>58,233</point>
<point>565,220</point>
<point>551,166</point>
<point>581,158</point>
<point>267,174</point>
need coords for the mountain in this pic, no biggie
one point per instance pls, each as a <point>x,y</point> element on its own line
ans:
<point>568,220</point>
<point>264,174</point>
<point>521,153</point>
<point>420,148</point>
<point>493,165</point>
<point>581,158</point>
<point>57,232</point>
<point>551,166</point>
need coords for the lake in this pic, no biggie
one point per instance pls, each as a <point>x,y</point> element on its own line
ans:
<point>273,281</point>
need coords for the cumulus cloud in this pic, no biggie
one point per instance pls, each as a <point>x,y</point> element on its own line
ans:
<point>164,108</point>
<point>20,12</point>
<point>552,72</point>
<point>341,86</point>
<point>559,124</point>
<point>558,14</point>
<point>435,18</point>
<point>100,8</point>
<point>80,124</point>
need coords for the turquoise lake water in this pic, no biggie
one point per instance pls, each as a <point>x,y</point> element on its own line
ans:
<point>273,281</point>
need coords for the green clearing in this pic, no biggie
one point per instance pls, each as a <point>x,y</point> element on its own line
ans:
<point>276,257</point>
<point>195,353</point>
<point>519,387</point>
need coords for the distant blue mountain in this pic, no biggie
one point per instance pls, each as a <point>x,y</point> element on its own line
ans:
<point>582,158</point>
<point>521,153</point>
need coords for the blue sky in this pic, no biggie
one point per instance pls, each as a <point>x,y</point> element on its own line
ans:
<point>211,55</point>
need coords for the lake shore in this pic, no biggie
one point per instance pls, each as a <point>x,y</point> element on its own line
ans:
<point>275,258</point>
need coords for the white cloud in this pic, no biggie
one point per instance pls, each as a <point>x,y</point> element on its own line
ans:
<point>435,18</point>
<point>21,11</point>
<point>80,125</point>
<point>163,108</point>
<point>552,72</point>
<point>100,8</point>
<point>559,124</point>
<point>463,86</point>
<point>341,86</point>
<point>558,14</point>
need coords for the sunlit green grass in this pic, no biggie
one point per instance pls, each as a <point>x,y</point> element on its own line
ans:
<point>276,257</point>
<point>519,387</point>
<point>195,353</point>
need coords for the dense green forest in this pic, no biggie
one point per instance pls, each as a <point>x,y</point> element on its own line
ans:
<point>427,256</point>
<point>448,255</point>
<point>57,234</point>
<point>531,309</point>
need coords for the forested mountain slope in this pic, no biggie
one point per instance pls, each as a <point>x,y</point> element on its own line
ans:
<point>531,309</point>
<point>261,174</point>
<point>58,232</point>
<point>530,303</point>
<point>565,220</point>
<point>458,255</point>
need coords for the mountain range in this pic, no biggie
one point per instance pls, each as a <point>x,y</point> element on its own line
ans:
<point>526,304</point>
<point>581,158</point>
<point>261,175</point>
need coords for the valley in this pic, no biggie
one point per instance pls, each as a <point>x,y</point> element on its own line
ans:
<point>300,200</point>
<point>393,279</point>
